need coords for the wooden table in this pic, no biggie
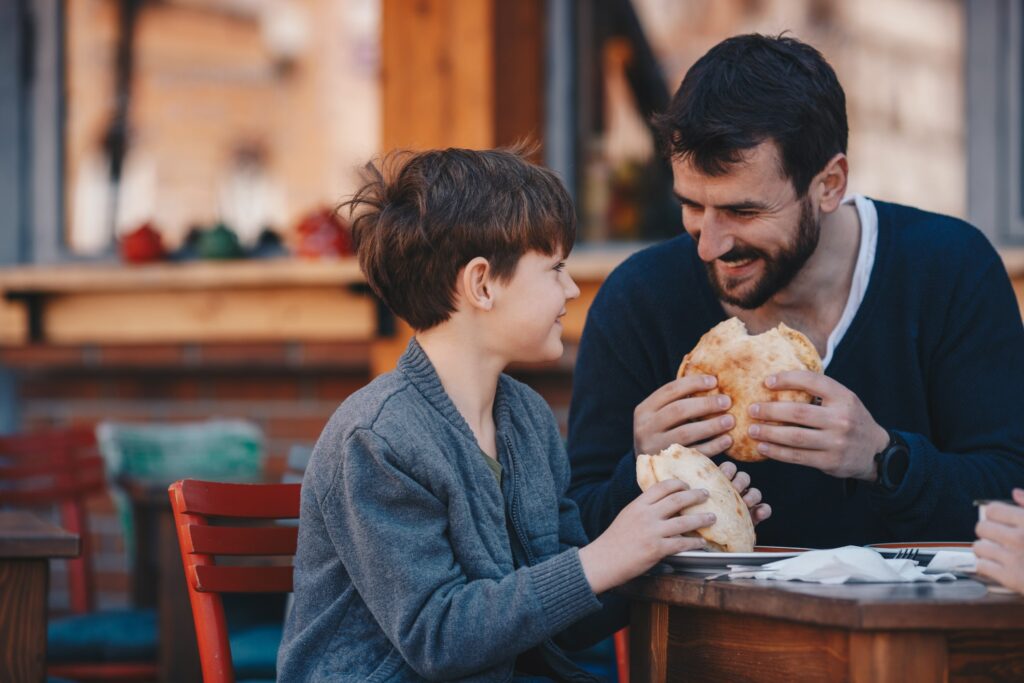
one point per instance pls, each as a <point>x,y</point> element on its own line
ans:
<point>686,628</point>
<point>26,545</point>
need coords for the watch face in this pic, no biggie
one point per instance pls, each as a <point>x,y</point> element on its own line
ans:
<point>896,462</point>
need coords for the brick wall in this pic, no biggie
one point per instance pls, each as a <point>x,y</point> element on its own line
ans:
<point>289,390</point>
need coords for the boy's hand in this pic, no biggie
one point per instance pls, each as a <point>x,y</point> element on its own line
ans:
<point>672,414</point>
<point>647,530</point>
<point>752,497</point>
<point>1000,544</point>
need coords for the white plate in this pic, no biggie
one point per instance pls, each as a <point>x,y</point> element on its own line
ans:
<point>698,560</point>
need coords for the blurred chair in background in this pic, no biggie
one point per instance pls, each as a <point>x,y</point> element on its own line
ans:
<point>61,470</point>
<point>194,503</point>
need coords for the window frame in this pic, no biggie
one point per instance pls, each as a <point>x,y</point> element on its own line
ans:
<point>995,119</point>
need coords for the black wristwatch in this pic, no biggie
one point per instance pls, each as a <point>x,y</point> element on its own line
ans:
<point>893,462</point>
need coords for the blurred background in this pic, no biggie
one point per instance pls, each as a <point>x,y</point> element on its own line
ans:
<point>169,169</point>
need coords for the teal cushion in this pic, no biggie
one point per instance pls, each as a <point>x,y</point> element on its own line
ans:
<point>107,636</point>
<point>254,650</point>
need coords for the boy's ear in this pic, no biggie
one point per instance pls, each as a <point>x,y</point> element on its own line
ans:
<point>475,284</point>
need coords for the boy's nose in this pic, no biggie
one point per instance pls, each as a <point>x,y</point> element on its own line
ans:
<point>572,290</point>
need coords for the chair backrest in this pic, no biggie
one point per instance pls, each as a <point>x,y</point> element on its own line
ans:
<point>59,469</point>
<point>195,503</point>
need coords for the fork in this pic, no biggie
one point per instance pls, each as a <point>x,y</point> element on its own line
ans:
<point>906,554</point>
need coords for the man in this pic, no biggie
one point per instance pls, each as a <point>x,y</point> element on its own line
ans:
<point>912,313</point>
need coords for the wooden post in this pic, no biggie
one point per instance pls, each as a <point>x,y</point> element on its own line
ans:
<point>648,642</point>
<point>893,656</point>
<point>458,73</point>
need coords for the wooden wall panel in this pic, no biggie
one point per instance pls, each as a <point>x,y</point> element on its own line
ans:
<point>519,72</point>
<point>437,74</point>
<point>186,316</point>
<point>458,73</point>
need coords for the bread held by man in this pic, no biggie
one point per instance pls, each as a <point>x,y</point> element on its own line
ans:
<point>733,530</point>
<point>741,362</point>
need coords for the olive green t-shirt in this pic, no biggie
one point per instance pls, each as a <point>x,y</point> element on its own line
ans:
<point>494,465</point>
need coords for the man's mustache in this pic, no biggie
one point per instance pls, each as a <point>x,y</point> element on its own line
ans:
<point>741,254</point>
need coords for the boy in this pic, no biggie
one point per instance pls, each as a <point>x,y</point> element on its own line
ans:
<point>436,541</point>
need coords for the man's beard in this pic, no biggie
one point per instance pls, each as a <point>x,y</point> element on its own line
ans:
<point>779,269</point>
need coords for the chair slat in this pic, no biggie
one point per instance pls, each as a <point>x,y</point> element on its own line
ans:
<point>231,540</point>
<point>216,579</point>
<point>76,468</point>
<point>252,501</point>
<point>45,492</point>
<point>46,495</point>
<point>41,483</point>
<point>40,442</point>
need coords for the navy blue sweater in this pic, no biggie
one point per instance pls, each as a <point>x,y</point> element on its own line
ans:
<point>936,352</point>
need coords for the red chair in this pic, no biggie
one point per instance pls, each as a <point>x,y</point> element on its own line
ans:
<point>622,654</point>
<point>194,503</point>
<point>61,469</point>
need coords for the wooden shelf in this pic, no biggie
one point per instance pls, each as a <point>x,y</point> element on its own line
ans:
<point>198,301</point>
<point>190,275</point>
<point>202,301</point>
<point>586,264</point>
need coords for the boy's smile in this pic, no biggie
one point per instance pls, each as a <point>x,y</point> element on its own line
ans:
<point>529,308</point>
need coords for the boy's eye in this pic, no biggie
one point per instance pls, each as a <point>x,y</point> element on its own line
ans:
<point>560,266</point>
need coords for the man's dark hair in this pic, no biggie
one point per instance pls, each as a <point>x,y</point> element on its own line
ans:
<point>750,89</point>
<point>421,216</point>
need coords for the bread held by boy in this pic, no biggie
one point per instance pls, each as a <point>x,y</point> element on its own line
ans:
<point>733,530</point>
<point>741,362</point>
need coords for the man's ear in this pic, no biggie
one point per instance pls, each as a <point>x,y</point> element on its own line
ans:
<point>830,184</point>
<point>475,284</point>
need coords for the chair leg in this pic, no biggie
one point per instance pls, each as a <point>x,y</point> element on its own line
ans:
<point>622,654</point>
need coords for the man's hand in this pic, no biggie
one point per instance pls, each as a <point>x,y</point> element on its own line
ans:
<point>672,414</point>
<point>646,531</point>
<point>1000,544</point>
<point>838,437</point>
<point>752,497</point>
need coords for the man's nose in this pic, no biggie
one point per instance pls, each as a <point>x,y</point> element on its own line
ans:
<point>712,240</point>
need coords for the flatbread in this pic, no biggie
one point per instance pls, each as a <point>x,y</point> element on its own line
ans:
<point>741,362</point>
<point>733,530</point>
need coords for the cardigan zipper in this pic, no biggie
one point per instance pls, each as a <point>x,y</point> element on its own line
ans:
<point>513,509</point>
<point>579,675</point>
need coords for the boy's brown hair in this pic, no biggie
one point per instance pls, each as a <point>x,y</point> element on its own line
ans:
<point>421,216</point>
